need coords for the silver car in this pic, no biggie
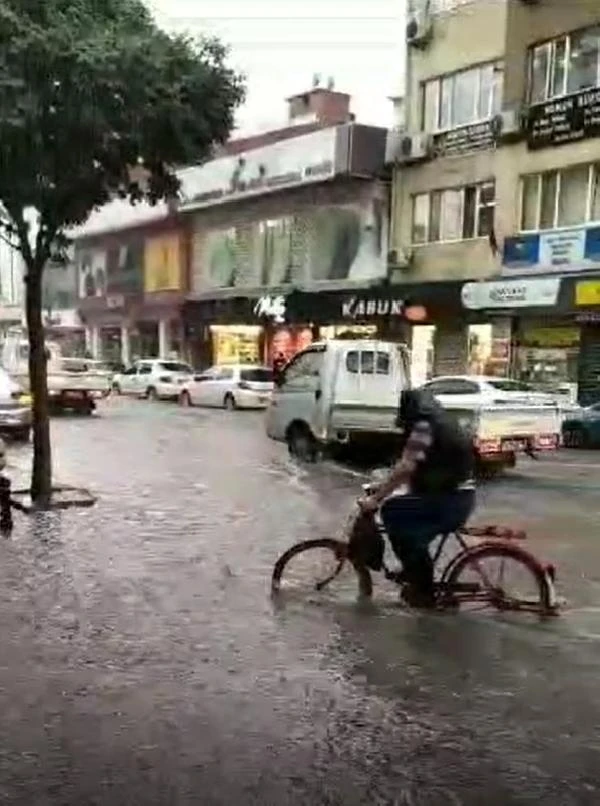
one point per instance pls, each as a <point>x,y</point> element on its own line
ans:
<point>238,386</point>
<point>15,409</point>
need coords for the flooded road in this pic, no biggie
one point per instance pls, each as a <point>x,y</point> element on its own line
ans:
<point>143,661</point>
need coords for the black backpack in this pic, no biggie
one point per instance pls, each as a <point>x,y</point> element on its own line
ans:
<point>451,460</point>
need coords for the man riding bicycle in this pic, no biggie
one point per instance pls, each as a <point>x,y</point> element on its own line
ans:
<point>430,491</point>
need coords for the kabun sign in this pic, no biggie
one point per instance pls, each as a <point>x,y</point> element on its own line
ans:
<point>511,294</point>
<point>298,161</point>
<point>361,308</point>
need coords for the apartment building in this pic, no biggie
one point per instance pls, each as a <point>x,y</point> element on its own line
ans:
<point>495,183</point>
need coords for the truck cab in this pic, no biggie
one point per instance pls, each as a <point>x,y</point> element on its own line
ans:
<point>338,392</point>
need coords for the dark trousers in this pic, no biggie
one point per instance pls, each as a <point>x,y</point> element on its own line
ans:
<point>413,522</point>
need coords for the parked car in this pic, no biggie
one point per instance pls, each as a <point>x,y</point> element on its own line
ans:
<point>231,387</point>
<point>481,390</point>
<point>581,428</point>
<point>153,378</point>
<point>15,409</point>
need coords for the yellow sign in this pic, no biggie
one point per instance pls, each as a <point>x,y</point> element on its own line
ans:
<point>162,264</point>
<point>587,292</point>
<point>551,337</point>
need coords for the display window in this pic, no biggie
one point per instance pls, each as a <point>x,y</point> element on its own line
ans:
<point>236,344</point>
<point>287,342</point>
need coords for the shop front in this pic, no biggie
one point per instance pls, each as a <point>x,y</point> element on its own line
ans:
<point>584,296</point>
<point>261,328</point>
<point>526,328</point>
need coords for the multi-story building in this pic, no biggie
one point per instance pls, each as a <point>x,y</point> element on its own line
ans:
<point>288,238</point>
<point>131,276</point>
<point>496,180</point>
<point>11,286</point>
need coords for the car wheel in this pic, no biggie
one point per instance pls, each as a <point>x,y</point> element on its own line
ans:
<point>116,388</point>
<point>301,443</point>
<point>185,400</point>
<point>229,402</point>
<point>151,393</point>
<point>22,434</point>
<point>575,438</point>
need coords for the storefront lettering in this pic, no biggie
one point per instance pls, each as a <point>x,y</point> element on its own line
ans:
<point>358,308</point>
<point>272,307</point>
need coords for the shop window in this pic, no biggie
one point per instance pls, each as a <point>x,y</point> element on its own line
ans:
<point>565,198</point>
<point>565,65</point>
<point>468,96</point>
<point>454,214</point>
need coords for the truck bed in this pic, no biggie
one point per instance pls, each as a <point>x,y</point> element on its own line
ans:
<point>353,417</point>
<point>511,428</point>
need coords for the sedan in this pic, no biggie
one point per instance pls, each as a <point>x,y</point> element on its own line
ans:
<point>15,409</point>
<point>581,428</point>
<point>229,387</point>
<point>481,390</point>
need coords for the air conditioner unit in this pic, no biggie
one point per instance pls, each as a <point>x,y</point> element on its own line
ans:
<point>400,259</point>
<point>508,123</point>
<point>414,148</point>
<point>419,31</point>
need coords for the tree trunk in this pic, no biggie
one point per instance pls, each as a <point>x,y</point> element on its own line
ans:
<point>41,477</point>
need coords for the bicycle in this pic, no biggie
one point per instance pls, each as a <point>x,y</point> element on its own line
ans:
<point>453,590</point>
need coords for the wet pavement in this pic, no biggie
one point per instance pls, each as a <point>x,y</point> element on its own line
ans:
<point>143,661</point>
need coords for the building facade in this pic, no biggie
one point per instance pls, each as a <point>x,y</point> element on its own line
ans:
<point>131,280</point>
<point>495,181</point>
<point>288,242</point>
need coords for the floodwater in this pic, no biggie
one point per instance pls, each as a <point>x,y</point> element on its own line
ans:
<point>143,661</point>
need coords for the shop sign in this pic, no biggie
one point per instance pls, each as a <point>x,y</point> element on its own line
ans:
<point>298,161</point>
<point>566,120</point>
<point>587,292</point>
<point>560,249</point>
<point>511,294</point>
<point>567,250</point>
<point>476,137</point>
<point>272,307</point>
<point>363,308</point>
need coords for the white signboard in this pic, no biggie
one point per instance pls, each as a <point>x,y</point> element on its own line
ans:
<point>511,294</point>
<point>298,161</point>
<point>561,250</point>
<point>272,307</point>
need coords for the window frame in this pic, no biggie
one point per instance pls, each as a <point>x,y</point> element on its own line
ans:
<point>551,46</point>
<point>496,65</point>
<point>593,177</point>
<point>376,367</point>
<point>463,189</point>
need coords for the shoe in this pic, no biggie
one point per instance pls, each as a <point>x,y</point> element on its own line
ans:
<point>416,598</point>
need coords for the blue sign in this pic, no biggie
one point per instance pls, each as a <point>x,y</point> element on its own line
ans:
<point>569,250</point>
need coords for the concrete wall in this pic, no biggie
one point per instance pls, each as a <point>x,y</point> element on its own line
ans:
<point>468,35</point>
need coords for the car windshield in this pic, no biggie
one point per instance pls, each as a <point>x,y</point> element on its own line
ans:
<point>175,366</point>
<point>505,385</point>
<point>257,375</point>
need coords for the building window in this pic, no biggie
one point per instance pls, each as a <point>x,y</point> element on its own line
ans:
<point>460,99</point>
<point>565,65</point>
<point>565,198</point>
<point>454,214</point>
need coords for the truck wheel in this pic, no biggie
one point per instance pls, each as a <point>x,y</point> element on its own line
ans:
<point>22,434</point>
<point>301,443</point>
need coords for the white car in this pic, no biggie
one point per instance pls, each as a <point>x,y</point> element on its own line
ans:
<point>229,386</point>
<point>153,378</point>
<point>15,412</point>
<point>482,390</point>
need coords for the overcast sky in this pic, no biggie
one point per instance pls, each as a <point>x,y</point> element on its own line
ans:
<point>358,42</point>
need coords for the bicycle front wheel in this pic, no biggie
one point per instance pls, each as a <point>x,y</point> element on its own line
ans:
<point>503,577</point>
<point>314,564</point>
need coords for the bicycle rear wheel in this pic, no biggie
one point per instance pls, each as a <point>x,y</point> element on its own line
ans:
<point>471,583</point>
<point>313,565</point>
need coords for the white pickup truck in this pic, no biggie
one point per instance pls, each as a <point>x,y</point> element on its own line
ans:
<point>347,391</point>
<point>72,383</point>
